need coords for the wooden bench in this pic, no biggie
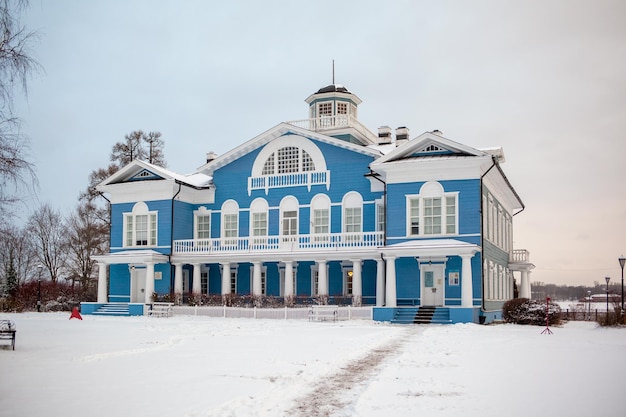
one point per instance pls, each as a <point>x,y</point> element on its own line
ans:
<point>161,309</point>
<point>323,313</point>
<point>7,331</point>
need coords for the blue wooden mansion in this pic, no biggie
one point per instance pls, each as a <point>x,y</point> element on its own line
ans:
<point>322,209</point>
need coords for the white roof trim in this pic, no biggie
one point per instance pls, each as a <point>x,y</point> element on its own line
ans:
<point>274,133</point>
<point>423,140</point>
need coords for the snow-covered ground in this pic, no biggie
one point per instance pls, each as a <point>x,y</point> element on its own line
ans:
<point>197,366</point>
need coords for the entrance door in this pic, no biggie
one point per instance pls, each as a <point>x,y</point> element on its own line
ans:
<point>138,285</point>
<point>432,285</point>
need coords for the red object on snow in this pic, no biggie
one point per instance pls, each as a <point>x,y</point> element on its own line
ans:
<point>75,314</point>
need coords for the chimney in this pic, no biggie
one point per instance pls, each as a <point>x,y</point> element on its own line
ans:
<point>210,156</point>
<point>402,135</point>
<point>384,135</point>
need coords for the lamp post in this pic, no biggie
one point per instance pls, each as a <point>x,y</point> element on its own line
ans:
<point>589,304</point>
<point>39,268</point>
<point>607,298</point>
<point>622,260</point>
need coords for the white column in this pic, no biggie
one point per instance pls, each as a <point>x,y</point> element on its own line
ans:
<point>289,290</point>
<point>149,282</point>
<point>322,278</point>
<point>390,289</point>
<point>225,278</point>
<point>357,282</point>
<point>528,286</point>
<point>102,283</point>
<point>178,279</point>
<point>196,285</point>
<point>380,283</point>
<point>467,293</point>
<point>256,278</point>
<point>524,287</point>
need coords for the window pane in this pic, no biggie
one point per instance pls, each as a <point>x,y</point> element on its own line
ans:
<point>204,227</point>
<point>141,230</point>
<point>414,215</point>
<point>129,230</point>
<point>230,225</point>
<point>153,230</point>
<point>320,221</point>
<point>288,159</point>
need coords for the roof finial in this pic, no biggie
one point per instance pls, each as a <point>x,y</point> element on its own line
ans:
<point>333,72</point>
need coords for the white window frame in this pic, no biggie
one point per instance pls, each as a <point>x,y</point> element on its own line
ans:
<point>130,231</point>
<point>429,191</point>
<point>352,206</point>
<point>201,213</point>
<point>289,204</point>
<point>259,221</point>
<point>230,211</point>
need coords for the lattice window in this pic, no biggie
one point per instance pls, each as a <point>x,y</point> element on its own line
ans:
<point>268,167</point>
<point>288,159</point>
<point>307,162</point>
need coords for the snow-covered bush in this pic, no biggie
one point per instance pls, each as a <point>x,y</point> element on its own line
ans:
<point>525,311</point>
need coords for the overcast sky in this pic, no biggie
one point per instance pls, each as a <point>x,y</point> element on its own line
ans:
<point>546,80</point>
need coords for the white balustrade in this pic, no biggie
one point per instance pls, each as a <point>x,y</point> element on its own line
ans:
<point>329,241</point>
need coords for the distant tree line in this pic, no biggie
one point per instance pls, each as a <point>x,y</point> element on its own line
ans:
<point>541,290</point>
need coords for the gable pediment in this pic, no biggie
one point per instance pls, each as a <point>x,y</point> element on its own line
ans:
<point>429,145</point>
<point>143,175</point>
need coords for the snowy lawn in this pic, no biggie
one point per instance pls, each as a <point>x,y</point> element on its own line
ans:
<point>197,366</point>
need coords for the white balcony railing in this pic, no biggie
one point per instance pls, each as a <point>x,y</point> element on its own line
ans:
<point>327,241</point>
<point>520,255</point>
<point>265,182</point>
<point>335,122</point>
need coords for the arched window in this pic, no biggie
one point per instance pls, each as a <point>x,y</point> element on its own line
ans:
<point>230,222</point>
<point>353,213</point>
<point>280,159</point>
<point>140,226</point>
<point>289,208</point>
<point>258,221</point>
<point>320,214</point>
<point>202,223</point>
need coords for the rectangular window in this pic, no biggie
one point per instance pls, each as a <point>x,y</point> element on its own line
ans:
<point>325,109</point>
<point>348,284</point>
<point>432,216</point>
<point>141,230</point>
<point>450,215</point>
<point>129,231</point>
<point>353,219</point>
<point>233,282</point>
<point>259,224</point>
<point>204,282</point>
<point>453,277</point>
<point>321,221</point>
<point>203,227</point>
<point>290,223</point>
<point>414,215</point>
<point>380,218</point>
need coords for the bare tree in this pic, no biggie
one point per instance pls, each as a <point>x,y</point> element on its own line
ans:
<point>86,235</point>
<point>155,150</point>
<point>15,246</point>
<point>130,149</point>
<point>16,65</point>
<point>48,235</point>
